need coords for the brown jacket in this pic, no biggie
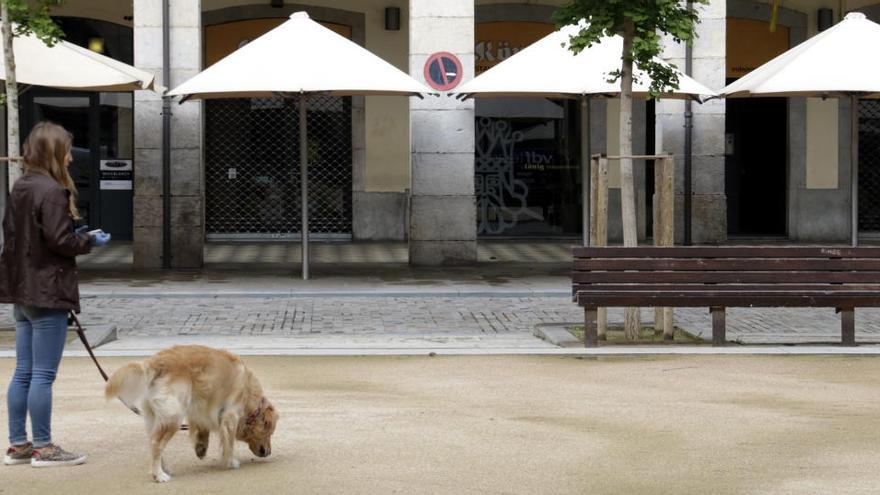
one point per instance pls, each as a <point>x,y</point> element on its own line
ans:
<point>38,265</point>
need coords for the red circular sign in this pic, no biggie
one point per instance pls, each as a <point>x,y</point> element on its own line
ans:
<point>443,71</point>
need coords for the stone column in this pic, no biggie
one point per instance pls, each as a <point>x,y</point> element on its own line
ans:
<point>187,185</point>
<point>708,200</point>
<point>443,208</point>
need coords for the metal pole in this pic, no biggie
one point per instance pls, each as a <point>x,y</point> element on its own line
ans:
<point>854,168</point>
<point>166,137</point>
<point>688,142</point>
<point>304,184</point>
<point>585,167</point>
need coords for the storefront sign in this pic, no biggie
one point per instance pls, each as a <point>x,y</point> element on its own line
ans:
<point>443,71</point>
<point>223,39</point>
<point>497,41</point>
<point>750,44</point>
<point>116,175</point>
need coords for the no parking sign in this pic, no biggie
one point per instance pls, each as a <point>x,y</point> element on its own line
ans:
<point>443,71</point>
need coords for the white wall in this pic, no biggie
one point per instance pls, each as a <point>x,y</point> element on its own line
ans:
<point>823,116</point>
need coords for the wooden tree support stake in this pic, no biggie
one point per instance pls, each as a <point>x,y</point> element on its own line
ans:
<point>599,223</point>
<point>664,222</point>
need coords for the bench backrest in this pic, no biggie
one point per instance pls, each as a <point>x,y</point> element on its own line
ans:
<point>694,267</point>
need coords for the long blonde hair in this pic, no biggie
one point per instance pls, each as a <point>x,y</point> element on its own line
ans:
<point>45,151</point>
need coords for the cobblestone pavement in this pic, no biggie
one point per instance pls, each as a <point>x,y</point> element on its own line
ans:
<point>426,316</point>
<point>344,315</point>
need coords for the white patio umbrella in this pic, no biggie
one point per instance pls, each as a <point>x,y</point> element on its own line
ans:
<point>549,69</point>
<point>298,58</point>
<point>840,62</point>
<point>68,66</point>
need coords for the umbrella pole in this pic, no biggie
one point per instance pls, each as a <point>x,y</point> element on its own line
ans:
<point>585,167</point>
<point>854,168</point>
<point>304,184</point>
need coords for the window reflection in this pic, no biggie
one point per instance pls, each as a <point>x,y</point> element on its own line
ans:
<point>527,174</point>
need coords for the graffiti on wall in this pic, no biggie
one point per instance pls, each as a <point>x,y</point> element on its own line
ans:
<point>501,198</point>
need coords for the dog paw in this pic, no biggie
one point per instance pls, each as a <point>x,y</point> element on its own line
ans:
<point>233,464</point>
<point>162,477</point>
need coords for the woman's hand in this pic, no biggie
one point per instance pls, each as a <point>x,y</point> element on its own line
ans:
<point>99,238</point>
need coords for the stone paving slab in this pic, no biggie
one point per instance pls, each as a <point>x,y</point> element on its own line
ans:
<point>118,254</point>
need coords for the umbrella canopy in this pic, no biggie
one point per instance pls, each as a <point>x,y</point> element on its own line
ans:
<point>68,66</point>
<point>297,58</point>
<point>840,61</point>
<point>300,56</point>
<point>548,68</point>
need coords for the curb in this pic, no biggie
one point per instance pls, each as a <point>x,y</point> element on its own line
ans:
<point>824,351</point>
<point>97,336</point>
<point>557,334</point>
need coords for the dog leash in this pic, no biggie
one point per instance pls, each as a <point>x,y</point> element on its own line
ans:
<point>85,343</point>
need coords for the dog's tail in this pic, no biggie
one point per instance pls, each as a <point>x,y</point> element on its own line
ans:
<point>128,383</point>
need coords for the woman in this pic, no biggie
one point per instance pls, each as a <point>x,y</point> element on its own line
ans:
<point>38,275</point>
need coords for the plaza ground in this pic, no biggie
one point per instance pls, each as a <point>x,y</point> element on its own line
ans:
<point>493,424</point>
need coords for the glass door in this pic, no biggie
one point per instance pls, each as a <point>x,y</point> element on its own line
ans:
<point>527,168</point>
<point>75,113</point>
<point>115,170</point>
<point>103,148</point>
<point>869,168</point>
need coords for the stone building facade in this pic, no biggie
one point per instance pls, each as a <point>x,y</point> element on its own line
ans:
<point>438,172</point>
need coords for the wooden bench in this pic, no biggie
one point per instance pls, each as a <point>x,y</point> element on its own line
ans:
<point>724,277</point>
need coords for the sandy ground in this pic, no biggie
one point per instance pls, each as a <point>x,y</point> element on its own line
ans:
<point>504,425</point>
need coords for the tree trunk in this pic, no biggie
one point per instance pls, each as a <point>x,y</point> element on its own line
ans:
<point>632,320</point>
<point>13,142</point>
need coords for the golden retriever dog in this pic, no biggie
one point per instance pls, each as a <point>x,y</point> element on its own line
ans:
<point>209,389</point>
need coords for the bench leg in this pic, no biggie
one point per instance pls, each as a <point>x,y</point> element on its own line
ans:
<point>591,338</point>
<point>848,326</point>
<point>663,322</point>
<point>668,324</point>
<point>658,320</point>
<point>718,327</point>
<point>602,323</point>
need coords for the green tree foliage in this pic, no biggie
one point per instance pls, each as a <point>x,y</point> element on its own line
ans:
<point>651,20</point>
<point>34,18</point>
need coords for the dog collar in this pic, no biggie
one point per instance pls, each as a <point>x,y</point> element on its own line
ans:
<point>253,416</point>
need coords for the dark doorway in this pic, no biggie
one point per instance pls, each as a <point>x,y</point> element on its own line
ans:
<point>756,166</point>
<point>869,166</point>
<point>527,168</point>
<point>101,125</point>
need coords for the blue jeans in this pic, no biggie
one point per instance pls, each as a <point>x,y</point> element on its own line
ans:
<point>40,335</point>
